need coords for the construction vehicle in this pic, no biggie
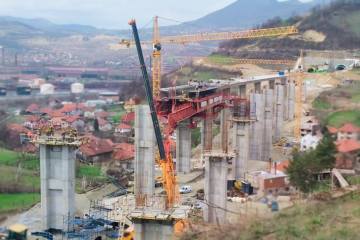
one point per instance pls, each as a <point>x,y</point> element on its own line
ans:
<point>184,39</point>
<point>20,232</point>
<point>164,158</point>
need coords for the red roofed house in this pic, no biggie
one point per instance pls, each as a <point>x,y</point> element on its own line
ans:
<point>96,150</point>
<point>104,125</point>
<point>348,156</point>
<point>348,131</point>
<point>31,122</point>
<point>71,109</point>
<point>124,154</point>
<point>32,109</point>
<point>124,129</point>
<point>14,133</point>
<point>76,122</point>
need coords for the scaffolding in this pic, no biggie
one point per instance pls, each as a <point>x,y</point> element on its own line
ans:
<point>98,223</point>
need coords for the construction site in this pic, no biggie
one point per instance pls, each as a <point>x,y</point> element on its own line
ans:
<point>251,127</point>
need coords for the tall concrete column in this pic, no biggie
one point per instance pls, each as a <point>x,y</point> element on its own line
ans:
<point>215,189</point>
<point>144,155</point>
<point>286,88</point>
<point>224,129</point>
<point>183,147</point>
<point>279,109</point>
<point>57,174</point>
<point>268,124</point>
<point>257,87</point>
<point>242,91</point>
<point>241,148</point>
<point>207,133</point>
<point>257,126</point>
<point>291,101</point>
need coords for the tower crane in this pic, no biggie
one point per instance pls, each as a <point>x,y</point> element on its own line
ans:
<point>157,42</point>
<point>299,81</point>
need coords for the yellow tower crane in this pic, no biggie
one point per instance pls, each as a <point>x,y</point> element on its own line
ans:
<point>157,42</point>
<point>299,81</point>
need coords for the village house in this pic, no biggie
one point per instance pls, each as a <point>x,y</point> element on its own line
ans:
<point>123,155</point>
<point>124,129</point>
<point>348,156</point>
<point>32,109</point>
<point>348,146</point>
<point>309,142</point>
<point>96,150</point>
<point>104,125</point>
<point>310,125</point>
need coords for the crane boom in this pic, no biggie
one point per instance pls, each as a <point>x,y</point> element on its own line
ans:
<point>148,92</point>
<point>255,33</point>
<point>166,162</point>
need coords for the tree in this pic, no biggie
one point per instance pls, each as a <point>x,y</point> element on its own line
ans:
<point>326,152</point>
<point>96,125</point>
<point>303,168</point>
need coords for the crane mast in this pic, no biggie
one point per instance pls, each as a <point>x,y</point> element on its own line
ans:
<point>156,58</point>
<point>164,159</point>
<point>299,81</point>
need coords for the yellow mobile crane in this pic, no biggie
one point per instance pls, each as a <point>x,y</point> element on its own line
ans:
<point>157,42</point>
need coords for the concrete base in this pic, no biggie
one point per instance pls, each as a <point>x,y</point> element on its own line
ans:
<point>153,230</point>
<point>215,189</point>
<point>57,174</point>
<point>144,155</point>
<point>183,148</point>
<point>155,224</point>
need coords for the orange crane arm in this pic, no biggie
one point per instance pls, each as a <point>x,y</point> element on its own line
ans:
<point>220,36</point>
<point>250,61</point>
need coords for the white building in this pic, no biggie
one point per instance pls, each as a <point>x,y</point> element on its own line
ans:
<point>309,142</point>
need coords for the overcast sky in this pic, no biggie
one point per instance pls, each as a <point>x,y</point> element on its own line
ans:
<point>110,13</point>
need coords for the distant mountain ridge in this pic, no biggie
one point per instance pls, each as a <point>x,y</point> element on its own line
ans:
<point>43,26</point>
<point>249,13</point>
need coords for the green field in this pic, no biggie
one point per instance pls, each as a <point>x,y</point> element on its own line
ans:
<point>321,104</point>
<point>18,201</point>
<point>11,158</point>
<point>18,180</point>
<point>337,119</point>
<point>221,59</point>
<point>88,171</point>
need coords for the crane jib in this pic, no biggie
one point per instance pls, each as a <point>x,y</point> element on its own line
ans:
<point>148,92</point>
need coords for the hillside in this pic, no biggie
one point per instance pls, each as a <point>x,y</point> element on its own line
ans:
<point>334,27</point>
<point>247,14</point>
<point>332,219</point>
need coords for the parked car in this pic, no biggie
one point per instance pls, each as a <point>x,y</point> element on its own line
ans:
<point>185,189</point>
